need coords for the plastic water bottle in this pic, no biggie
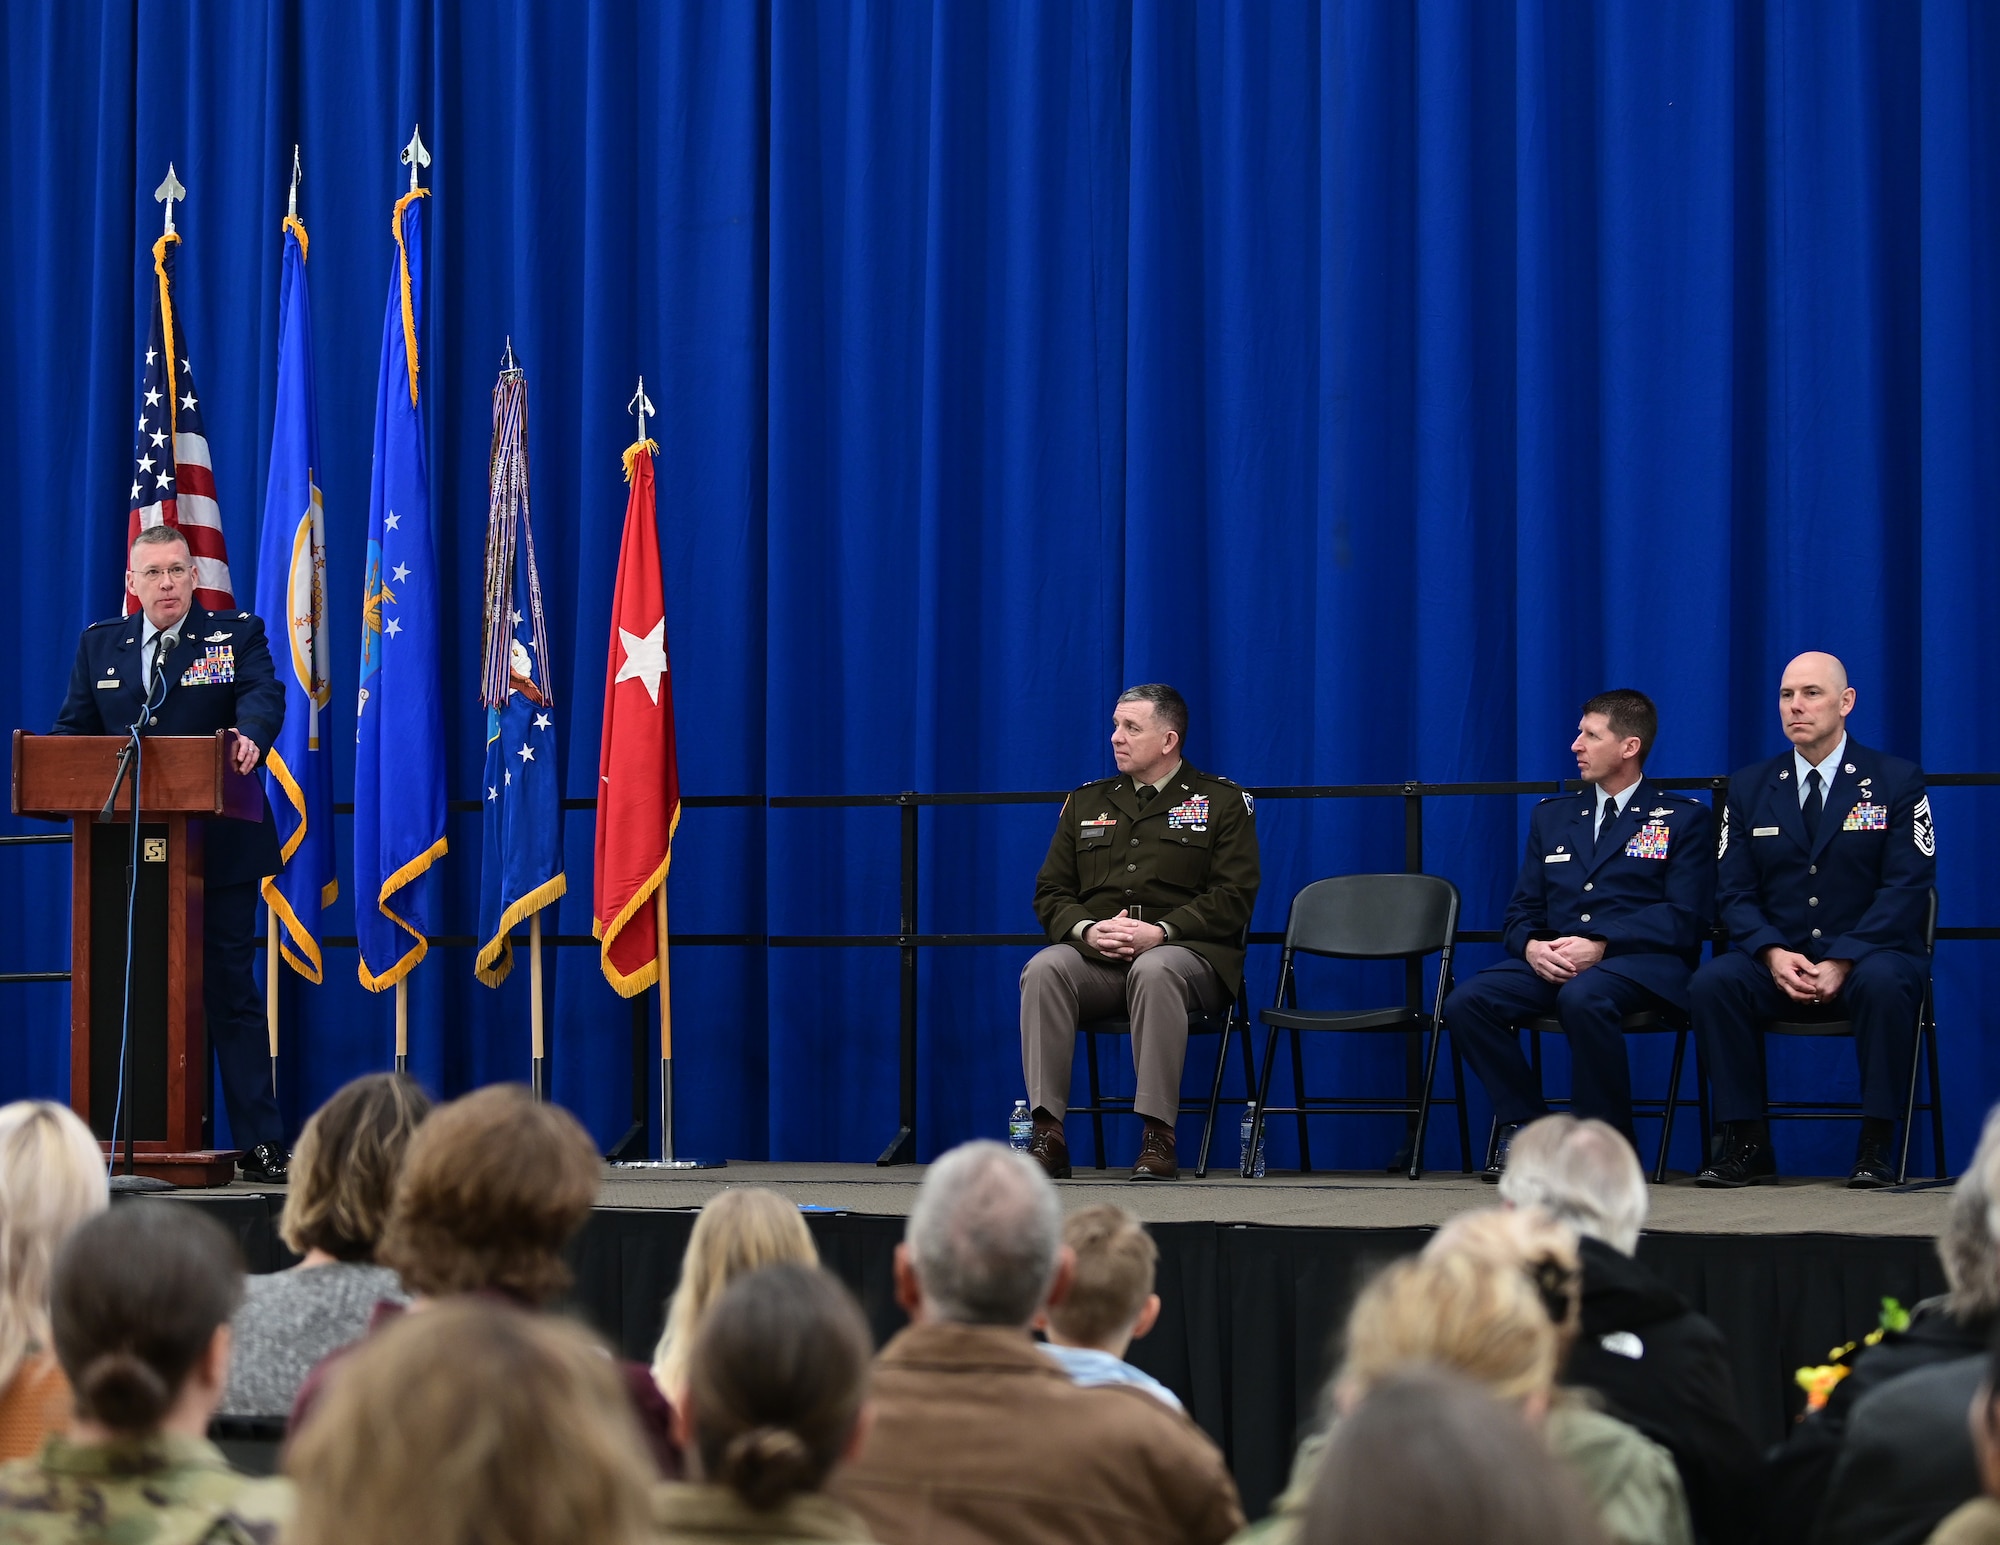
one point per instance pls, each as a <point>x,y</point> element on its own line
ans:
<point>1020,1127</point>
<point>1251,1166</point>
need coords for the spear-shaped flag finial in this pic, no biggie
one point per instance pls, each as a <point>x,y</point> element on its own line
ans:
<point>168,193</point>
<point>642,405</point>
<point>414,155</point>
<point>292,208</point>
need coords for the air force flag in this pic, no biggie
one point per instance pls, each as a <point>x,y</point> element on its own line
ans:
<point>522,868</point>
<point>291,598</point>
<point>399,721</point>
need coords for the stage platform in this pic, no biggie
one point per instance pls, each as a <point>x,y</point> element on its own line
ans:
<point>1256,1276</point>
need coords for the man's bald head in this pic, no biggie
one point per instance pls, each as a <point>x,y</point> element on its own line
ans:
<point>1814,701</point>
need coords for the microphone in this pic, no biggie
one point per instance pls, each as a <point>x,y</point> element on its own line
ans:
<point>168,643</point>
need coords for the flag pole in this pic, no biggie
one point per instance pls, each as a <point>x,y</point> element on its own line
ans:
<point>666,1025</point>
<point>402,1024</point>
<point>271,993</point>
<point>538,1068</point>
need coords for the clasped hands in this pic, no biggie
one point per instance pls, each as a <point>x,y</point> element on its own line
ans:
<point>1122,937</point>
<point>1560,960</point>
<point>1803,980</point>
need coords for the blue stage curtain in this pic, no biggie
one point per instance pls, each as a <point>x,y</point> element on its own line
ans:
<point>1388,377</point>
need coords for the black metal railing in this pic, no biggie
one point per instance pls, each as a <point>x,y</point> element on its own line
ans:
<point>909,941</point>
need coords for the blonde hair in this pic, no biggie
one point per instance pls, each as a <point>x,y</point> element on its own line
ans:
<point>1450,1311</point>
<point>744,1228</point>
<point>51,1181</point>
<point>1533,1242</point>
<point>473,1423</point>
<point>1116,1260</point>
<point>345,1167</point>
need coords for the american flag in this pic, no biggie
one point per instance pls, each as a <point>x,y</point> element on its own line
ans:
<point>172,482</point>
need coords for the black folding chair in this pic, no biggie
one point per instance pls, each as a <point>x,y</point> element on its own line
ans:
<point>1232,1021</point>
<point>1831,1021</point>
<point>1646,1021</point>
<point>1368,917</point>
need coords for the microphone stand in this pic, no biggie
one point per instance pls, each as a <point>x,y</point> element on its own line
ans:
<point>131,761</point>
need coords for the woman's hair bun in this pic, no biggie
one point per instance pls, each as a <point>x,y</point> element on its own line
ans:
<point>767,1466</point>
<point>124,1392</point>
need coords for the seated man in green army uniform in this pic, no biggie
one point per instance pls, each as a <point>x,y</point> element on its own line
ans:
<point>1145,894</point>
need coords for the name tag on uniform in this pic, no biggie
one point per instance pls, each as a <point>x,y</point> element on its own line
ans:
<point>1650,841</point>
<point>1866,818</point>
<point>103,684</point>
<point>1557,858</point>
<point>1763,831</point>
<point>1189,815</point>
<point>216,666</point>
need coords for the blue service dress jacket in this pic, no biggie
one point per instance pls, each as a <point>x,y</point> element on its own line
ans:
<point>222,678</point>
<point>1647,890</point>
<point>1863,885</point>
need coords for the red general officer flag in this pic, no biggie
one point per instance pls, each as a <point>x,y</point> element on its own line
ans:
<point>638,782</point>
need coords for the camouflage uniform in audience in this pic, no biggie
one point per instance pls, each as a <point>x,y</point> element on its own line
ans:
<point>161,1490</point>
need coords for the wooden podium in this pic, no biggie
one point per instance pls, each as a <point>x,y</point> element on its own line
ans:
<point>186,778</point>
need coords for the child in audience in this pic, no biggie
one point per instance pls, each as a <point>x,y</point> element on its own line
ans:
<point>51,1180</point>
<point>140,1307</point>
<point>475,1422</point>
<point>1111,1302</point>
<point>777,1379</point>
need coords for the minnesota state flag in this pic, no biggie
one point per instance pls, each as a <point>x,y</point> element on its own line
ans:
<point>399,804</point>
<point>522,869</point>
<point>291,598</point>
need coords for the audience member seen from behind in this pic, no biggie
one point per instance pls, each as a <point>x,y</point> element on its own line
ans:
<point>473,1423</point>
<point>140,1307</point>
<point>740,1231</point>
<point>1956,1327</point>
<point>1379,1482</point>
<point>777,1379</point>
<point>495,1185</point>
<point>1629,1479</point>
<point>1655,1362</point>
<point>51,1180</point>
<point>1493,1297</point>
<point>1110,1303</point>
<point>978,1436</point>
<point>343,1176</point>
<point>1977,1522</point>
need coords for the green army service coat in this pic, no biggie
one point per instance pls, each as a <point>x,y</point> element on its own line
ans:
<point>1187,859</point>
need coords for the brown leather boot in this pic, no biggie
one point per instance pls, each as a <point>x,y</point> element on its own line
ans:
<point>1156,1154</point>
<point>1047,1147</point>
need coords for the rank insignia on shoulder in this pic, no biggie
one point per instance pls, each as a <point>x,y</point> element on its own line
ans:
<point>1923,830</point>
<point>1249,803</point>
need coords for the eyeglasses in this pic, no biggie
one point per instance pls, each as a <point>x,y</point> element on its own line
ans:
<point>176,573</point>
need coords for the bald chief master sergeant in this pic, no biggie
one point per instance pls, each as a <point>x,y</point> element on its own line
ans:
<point>219,676</point>
<point>1146,892</point>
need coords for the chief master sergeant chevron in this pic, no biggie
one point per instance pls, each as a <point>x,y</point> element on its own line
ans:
<point>220,677</point>
<point>1606,920</point>
<point>1828,856</point>
<point>1146,892</point>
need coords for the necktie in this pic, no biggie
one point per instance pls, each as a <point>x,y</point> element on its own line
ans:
<point>1813,805</point>
<point>1606,814</point>
<point>1146,793</point>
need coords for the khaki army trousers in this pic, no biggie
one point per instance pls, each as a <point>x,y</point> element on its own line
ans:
<point>1061,988</point>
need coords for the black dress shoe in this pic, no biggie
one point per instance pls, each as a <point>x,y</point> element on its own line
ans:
<point>1048,1149</point>
<point>1872,1169</point>
<point>1745,1160</point>
<point>1502,1141</point>
<point>267,1163</point>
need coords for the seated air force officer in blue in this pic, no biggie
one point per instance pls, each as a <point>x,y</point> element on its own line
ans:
<point>1607,918</point>
<point>219,677</point>
<point>1827,860</point>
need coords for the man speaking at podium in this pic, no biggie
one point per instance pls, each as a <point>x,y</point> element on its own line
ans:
<point>1146,891</point>
<point>218,676</point>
